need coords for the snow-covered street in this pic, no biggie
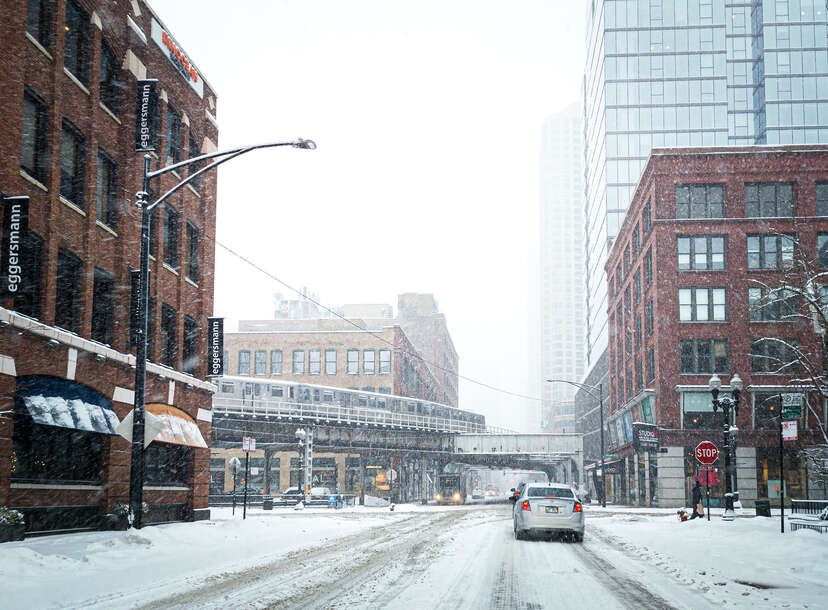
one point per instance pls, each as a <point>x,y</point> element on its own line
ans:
<point>418,557</point>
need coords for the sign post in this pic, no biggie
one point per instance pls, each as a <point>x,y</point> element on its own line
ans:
<point>234,466</point>
<point>248,445</point>
<point>707,453</point>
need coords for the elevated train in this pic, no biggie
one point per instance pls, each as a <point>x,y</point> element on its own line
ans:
<point>257,393</point>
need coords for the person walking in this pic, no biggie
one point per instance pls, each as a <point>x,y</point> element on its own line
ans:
<point>698,509</point>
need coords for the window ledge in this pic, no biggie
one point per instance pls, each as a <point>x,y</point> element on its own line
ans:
<point>110,113</point>
<point>71,206</point>
<point>166,488</point>
<point>106,228</point>
<point>75,80</point>
<point>703,321</point>
<point>39,46</point>
<point>29,178</point>
<point>168,268</point>
<point>55,486</point>
<point>195,192</point>
<point>191,282</point>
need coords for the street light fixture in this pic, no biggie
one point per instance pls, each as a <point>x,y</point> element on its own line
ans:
<point>728,431</point>
<point>587,388</point>
<point>136,475</point>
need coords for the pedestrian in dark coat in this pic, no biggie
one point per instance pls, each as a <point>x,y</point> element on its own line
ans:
<point>698,509</point>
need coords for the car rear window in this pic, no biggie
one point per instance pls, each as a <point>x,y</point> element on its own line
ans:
<point>550,492</point>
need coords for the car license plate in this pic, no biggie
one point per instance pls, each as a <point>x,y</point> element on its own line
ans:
<point>551,509</point>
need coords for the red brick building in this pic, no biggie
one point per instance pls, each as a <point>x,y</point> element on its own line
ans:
<point>68,73</point>
<point>707,228</point>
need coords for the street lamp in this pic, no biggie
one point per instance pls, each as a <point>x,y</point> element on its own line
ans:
<point>728,430</point>
<point>136,475</point>
<point>587,389</point>
<point>300,482</point>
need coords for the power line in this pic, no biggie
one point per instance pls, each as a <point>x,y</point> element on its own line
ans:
<point>373,334</point>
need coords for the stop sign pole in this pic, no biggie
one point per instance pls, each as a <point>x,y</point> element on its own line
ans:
<point>707,453</point>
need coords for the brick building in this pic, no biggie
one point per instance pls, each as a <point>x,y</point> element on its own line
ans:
<point>333,353</point>
<point>69,71</point>
<point>706,229</point>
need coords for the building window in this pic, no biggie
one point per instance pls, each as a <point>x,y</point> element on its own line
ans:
<point>774,356</point>
<point>637,285</point>
<point>627,259</point>
<point>76,50</point>
<point>168,465</point>
<point>697,410</point>
<point>275,362</point>
<point>106,203</point>
<point>28,299</point>
<point>226,363</point>
<point>33,155</point>
<point>39,22</point>
<point>822,199</point>
<point>651,364</point>
<point>171,237</point>
<point>298,362</point>
<point>649,313</point>
<point>699,201</point>
<point>772,305</point>
<point>314,362</point>
<point>173,136</point>
<point>636,240</point>
<point>702,305</point>
<point>72,164</point>
<point>385,362</point>
<point>629,385</point>
<point>110,80</point>
<point>628,299</point>
<point>192,253</point>
<point>330,362</point>
<point>194,167</point>
<point>51,454</point>
<point>648,267</point>
<point>68,297</point>
<point>169,336</point>
<point>766,410</point>
<point>701,253</point>
<point>368,362</point>
<point>628,344</point>
<point>352,363</point>
<point>703,356</point>
<point>637,331</point>
<point>822,246</point>
<point>769,200</point>
<point>770,251</point>
<point>260,362</point>
<point>103,307</point>
<point>647,218</point>
<point>244,362</point>
<point>190,346</point>
<point>639,374</point>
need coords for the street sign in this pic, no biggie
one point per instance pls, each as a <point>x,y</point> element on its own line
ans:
<point>790,430</point>
<point>792,412</point>
<point>793,399</point>
<point>707,452</point>
<point>248,443</point>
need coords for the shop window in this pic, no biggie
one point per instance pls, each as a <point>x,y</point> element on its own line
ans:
<point>72,165</point>
<point>76,46</point>
<point>244,362</point>
<point>167,465</point>
<point>767,407</point>
<point>68,296</point>
<point>275,362</point>
<point>769,200</point>
<point>33,154</point>
<point>103,307</point>
<point>39,21</point>
<point>330,362</point>
<point>190,346</point>
<point>50,454</point>
<point>697,410</point>
<point>110,80</point>
<point>169,336</point>
<point>768,481</point>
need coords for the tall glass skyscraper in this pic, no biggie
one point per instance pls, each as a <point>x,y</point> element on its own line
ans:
<point>689,73</point>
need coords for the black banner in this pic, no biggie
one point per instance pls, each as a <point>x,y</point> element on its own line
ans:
<point>146,116</point>
<point>215,347</point>
<point>645,437</point>
<point>15,229</point>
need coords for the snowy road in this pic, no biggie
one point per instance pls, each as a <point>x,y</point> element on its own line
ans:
<point>461,558</point>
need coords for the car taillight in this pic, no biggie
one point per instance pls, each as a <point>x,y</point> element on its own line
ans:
<point>525,505</point>
<point>577,507</point>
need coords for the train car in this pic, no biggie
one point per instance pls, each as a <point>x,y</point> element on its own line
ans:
<point>258,392</point>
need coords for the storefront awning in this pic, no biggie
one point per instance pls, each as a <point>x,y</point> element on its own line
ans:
<point>53,401</point>
<point>179,428</point>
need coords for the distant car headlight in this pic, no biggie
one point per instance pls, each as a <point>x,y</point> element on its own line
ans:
<point>456,496</point>
<point>438,497</point>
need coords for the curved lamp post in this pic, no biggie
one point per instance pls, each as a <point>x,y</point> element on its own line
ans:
<point>728,431</point>
<point>589,390</point>
<point>136,475</point>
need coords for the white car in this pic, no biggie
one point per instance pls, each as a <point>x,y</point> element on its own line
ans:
<point>549,509</point>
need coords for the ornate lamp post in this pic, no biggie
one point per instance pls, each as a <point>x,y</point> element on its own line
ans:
<point>728,430</point>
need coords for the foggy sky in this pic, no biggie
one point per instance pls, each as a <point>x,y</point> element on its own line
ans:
<point>427,115</point>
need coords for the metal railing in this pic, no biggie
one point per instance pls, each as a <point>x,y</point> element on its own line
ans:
<point>333,413</point>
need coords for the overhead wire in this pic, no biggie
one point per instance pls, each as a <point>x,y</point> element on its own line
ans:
<point>396,348</point>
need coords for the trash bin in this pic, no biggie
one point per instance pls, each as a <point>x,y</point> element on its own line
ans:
<point>763,508</point>
<point>267,503</point>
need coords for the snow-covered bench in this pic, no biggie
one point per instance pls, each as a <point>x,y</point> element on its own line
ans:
<point>806,515</point>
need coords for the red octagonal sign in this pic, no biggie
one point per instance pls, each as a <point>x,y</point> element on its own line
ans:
<point>706,452</point>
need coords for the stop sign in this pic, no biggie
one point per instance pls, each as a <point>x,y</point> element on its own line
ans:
<point>706,452</point>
